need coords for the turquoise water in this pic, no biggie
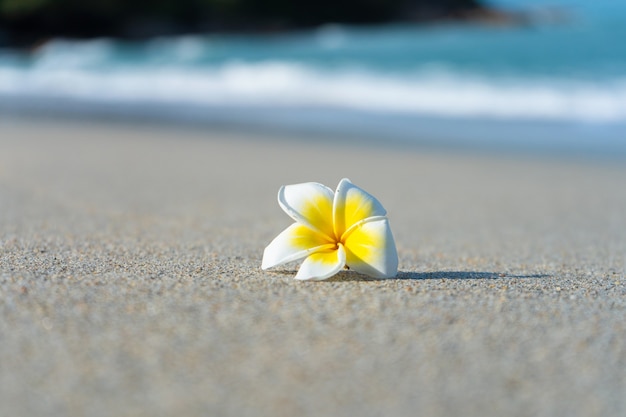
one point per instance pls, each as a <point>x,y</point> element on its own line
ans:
<point>554,85</point>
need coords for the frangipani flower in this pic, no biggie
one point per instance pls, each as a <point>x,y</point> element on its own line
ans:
<point>348,227</point>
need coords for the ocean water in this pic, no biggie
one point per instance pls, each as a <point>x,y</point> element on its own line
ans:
<point>558,86</point>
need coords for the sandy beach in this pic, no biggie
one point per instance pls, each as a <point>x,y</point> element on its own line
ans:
<point>130,280</point>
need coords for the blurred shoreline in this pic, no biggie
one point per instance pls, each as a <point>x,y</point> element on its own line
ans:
<point>546,89</point>
<point>440,136</point>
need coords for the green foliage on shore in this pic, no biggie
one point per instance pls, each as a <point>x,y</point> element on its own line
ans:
<point>32,19</point>
<point>346,9</point>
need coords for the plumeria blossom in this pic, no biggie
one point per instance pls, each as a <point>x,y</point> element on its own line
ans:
<point>348,227</point>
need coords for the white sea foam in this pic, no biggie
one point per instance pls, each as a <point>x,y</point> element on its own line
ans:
<point>61,72</point>
<point>61,54</point>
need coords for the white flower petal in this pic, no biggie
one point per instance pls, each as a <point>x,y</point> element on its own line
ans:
<point>322,265</point>
<point>353,204</point>
<point>294,243</point>
<point>309,203</point>
<point>370,248</point>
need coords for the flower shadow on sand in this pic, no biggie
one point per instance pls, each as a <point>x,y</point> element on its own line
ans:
<point>345,276</point>
<point>465,275</point>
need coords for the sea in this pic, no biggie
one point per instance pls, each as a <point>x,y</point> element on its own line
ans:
<point>557,85</point>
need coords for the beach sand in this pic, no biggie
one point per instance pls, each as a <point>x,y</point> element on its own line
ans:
<point>130,280</point>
